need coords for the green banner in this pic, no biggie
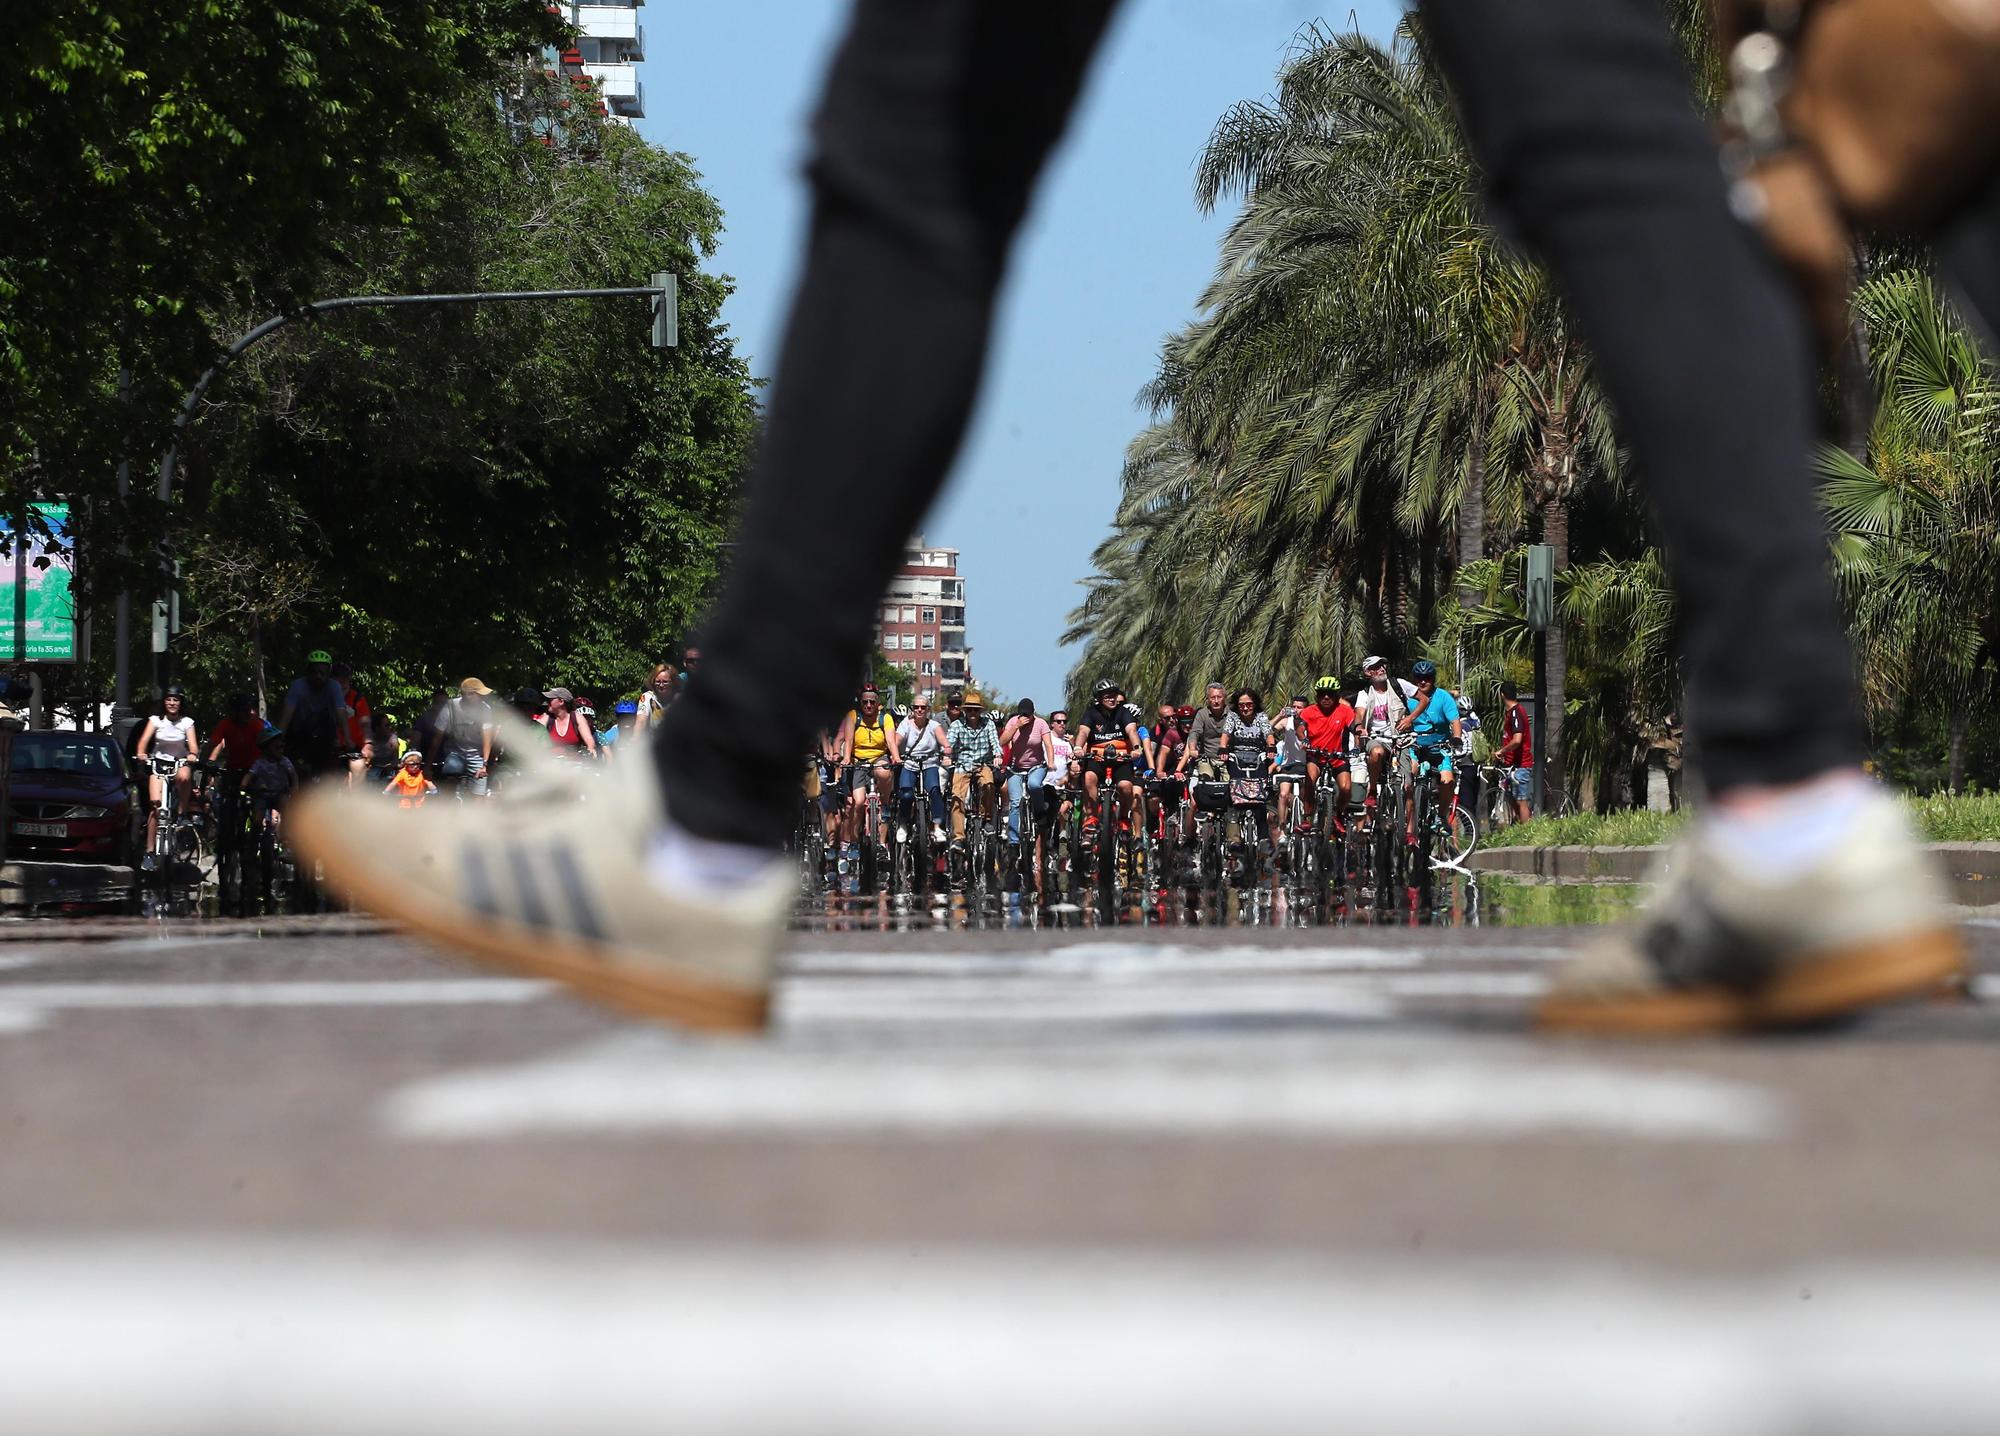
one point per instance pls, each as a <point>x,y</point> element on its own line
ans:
<point>38,620</point>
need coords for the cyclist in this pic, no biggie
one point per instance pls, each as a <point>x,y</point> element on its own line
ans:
<point>1027,751</point>
<point>1292,768</point>
<point>1325,726</point>
<point>1204,736</point>
<point>464,736</point>
<point>313,715</point>
<point>868,750</point>
<point>1110,725</point>
<point>356,738</point>
<point>921,739</point>
<point>974,746</point>
<point>1163,748</point>
<point>233,743</point>
<point>1378,708</point>
<point>274,777</point>
<point>1516,755</point>
<point>1434,724</point>
<point>410,787</point>
<point>660,690</point>
<point>169,734</point>
<point>570,733</point>
<point>1062,760</point>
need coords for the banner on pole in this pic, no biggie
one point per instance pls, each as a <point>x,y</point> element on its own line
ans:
<point>38,623</point>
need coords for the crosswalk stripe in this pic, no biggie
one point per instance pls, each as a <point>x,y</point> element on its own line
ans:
<point>120,1338</point>
<point>646,1082</point>
<point>140,996</point>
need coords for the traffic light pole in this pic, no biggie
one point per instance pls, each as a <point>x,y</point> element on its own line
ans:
<point>664,291</point>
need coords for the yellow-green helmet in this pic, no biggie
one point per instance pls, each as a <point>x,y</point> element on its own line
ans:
<point>1326,683</point>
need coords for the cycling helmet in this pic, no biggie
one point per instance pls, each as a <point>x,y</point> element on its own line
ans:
<point>319,655</point>
<point>271,731</point>
<point>1184,713</point>
<point>1104,686</point>
<point>174,690</point>
<point>1423,668</point>
<point>1326,683</point>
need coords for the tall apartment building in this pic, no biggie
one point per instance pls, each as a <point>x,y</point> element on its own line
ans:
<point>923,620</point>
<point>612,44</point>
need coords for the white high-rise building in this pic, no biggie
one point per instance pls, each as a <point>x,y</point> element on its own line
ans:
<point>922,627</point>
<point>612,44</point>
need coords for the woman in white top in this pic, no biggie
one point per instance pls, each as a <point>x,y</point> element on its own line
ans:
<point>169,735</point>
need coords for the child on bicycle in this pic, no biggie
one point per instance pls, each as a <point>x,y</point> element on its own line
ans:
<point>410,787</point>
<point>273,777</point>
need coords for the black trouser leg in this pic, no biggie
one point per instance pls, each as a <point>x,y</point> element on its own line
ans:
<point>1580,114</point>
<point>937,120</point>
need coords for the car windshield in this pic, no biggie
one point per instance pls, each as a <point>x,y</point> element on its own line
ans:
<point>82,753</point>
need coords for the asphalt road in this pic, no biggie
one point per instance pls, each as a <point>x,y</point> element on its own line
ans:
<point>314,1177</point>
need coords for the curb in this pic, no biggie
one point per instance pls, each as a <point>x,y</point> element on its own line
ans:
<point>1973,868</point>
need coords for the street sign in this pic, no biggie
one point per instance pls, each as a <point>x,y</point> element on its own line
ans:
<point>1541,585</point>
<point>667,312</point>
<point>38,620</point>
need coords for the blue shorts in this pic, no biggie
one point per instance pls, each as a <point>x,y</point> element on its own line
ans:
<point>1438,758</point>
<point>1520,784</point>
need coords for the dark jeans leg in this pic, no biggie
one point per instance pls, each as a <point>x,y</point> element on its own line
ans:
<point>1580,114</point>
<point>937,119</point>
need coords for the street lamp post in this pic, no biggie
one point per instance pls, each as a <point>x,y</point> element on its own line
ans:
<point>663,291</point>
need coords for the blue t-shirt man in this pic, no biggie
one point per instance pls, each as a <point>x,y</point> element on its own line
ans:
<point>1432,729</point>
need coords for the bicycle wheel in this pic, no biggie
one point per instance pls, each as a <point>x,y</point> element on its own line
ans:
<point>1455,843</point>
<point>1107,837</point>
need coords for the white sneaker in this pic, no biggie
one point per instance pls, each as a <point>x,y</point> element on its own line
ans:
<point>1723,948</point>
<point>552,887</point>
<point>938,838</point>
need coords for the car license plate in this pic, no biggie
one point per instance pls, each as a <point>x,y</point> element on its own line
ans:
<point>42,830</point>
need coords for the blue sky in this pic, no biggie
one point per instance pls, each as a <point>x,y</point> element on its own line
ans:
<point>1111,262</point>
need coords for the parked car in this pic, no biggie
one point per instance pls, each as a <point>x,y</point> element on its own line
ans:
<point>69,797</point>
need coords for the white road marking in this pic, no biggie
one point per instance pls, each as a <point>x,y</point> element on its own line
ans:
<point>651,1082</point>
<point>15,961</point>
<point>143,996</point>
<point>367,1339</point>
<point>15,1020</point>
<point>1115,960</point>
<point>1103,960</point>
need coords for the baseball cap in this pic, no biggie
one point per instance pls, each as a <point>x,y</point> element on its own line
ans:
<point>473,685</point>
<point>1373,661</point>
<point>562,693</point>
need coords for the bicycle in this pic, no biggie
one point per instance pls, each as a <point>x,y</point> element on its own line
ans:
<point>1249,816</point>
<point>1440,839</point>
<point>235,843</point>
<point>178,844</point>
<point>914,865</point>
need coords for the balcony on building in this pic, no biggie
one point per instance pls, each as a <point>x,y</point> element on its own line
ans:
<point>622,91</point>
<point>610,22</point>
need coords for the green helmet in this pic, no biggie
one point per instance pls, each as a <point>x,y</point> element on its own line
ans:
<point>1326,683</point>
<point>319,655</point>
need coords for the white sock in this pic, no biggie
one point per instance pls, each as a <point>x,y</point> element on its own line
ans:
<point>678,860</point>
<point>1789,832</point>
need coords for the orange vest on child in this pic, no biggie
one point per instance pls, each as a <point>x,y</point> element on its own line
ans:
<point>409,788</point>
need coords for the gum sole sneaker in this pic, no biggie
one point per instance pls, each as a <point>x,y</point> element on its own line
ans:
<point>1722,949</point>
<point>549,882</point>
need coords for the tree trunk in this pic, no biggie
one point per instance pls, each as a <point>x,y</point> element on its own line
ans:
<point>1955,764</point>
<point>257,661</point>
<point>1555,533</point>
<point>1427,581</point>
<point>1472,504</point>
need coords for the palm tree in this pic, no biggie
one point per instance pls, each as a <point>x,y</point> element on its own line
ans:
<point>1917,523</point>
<point>1374,385</point>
